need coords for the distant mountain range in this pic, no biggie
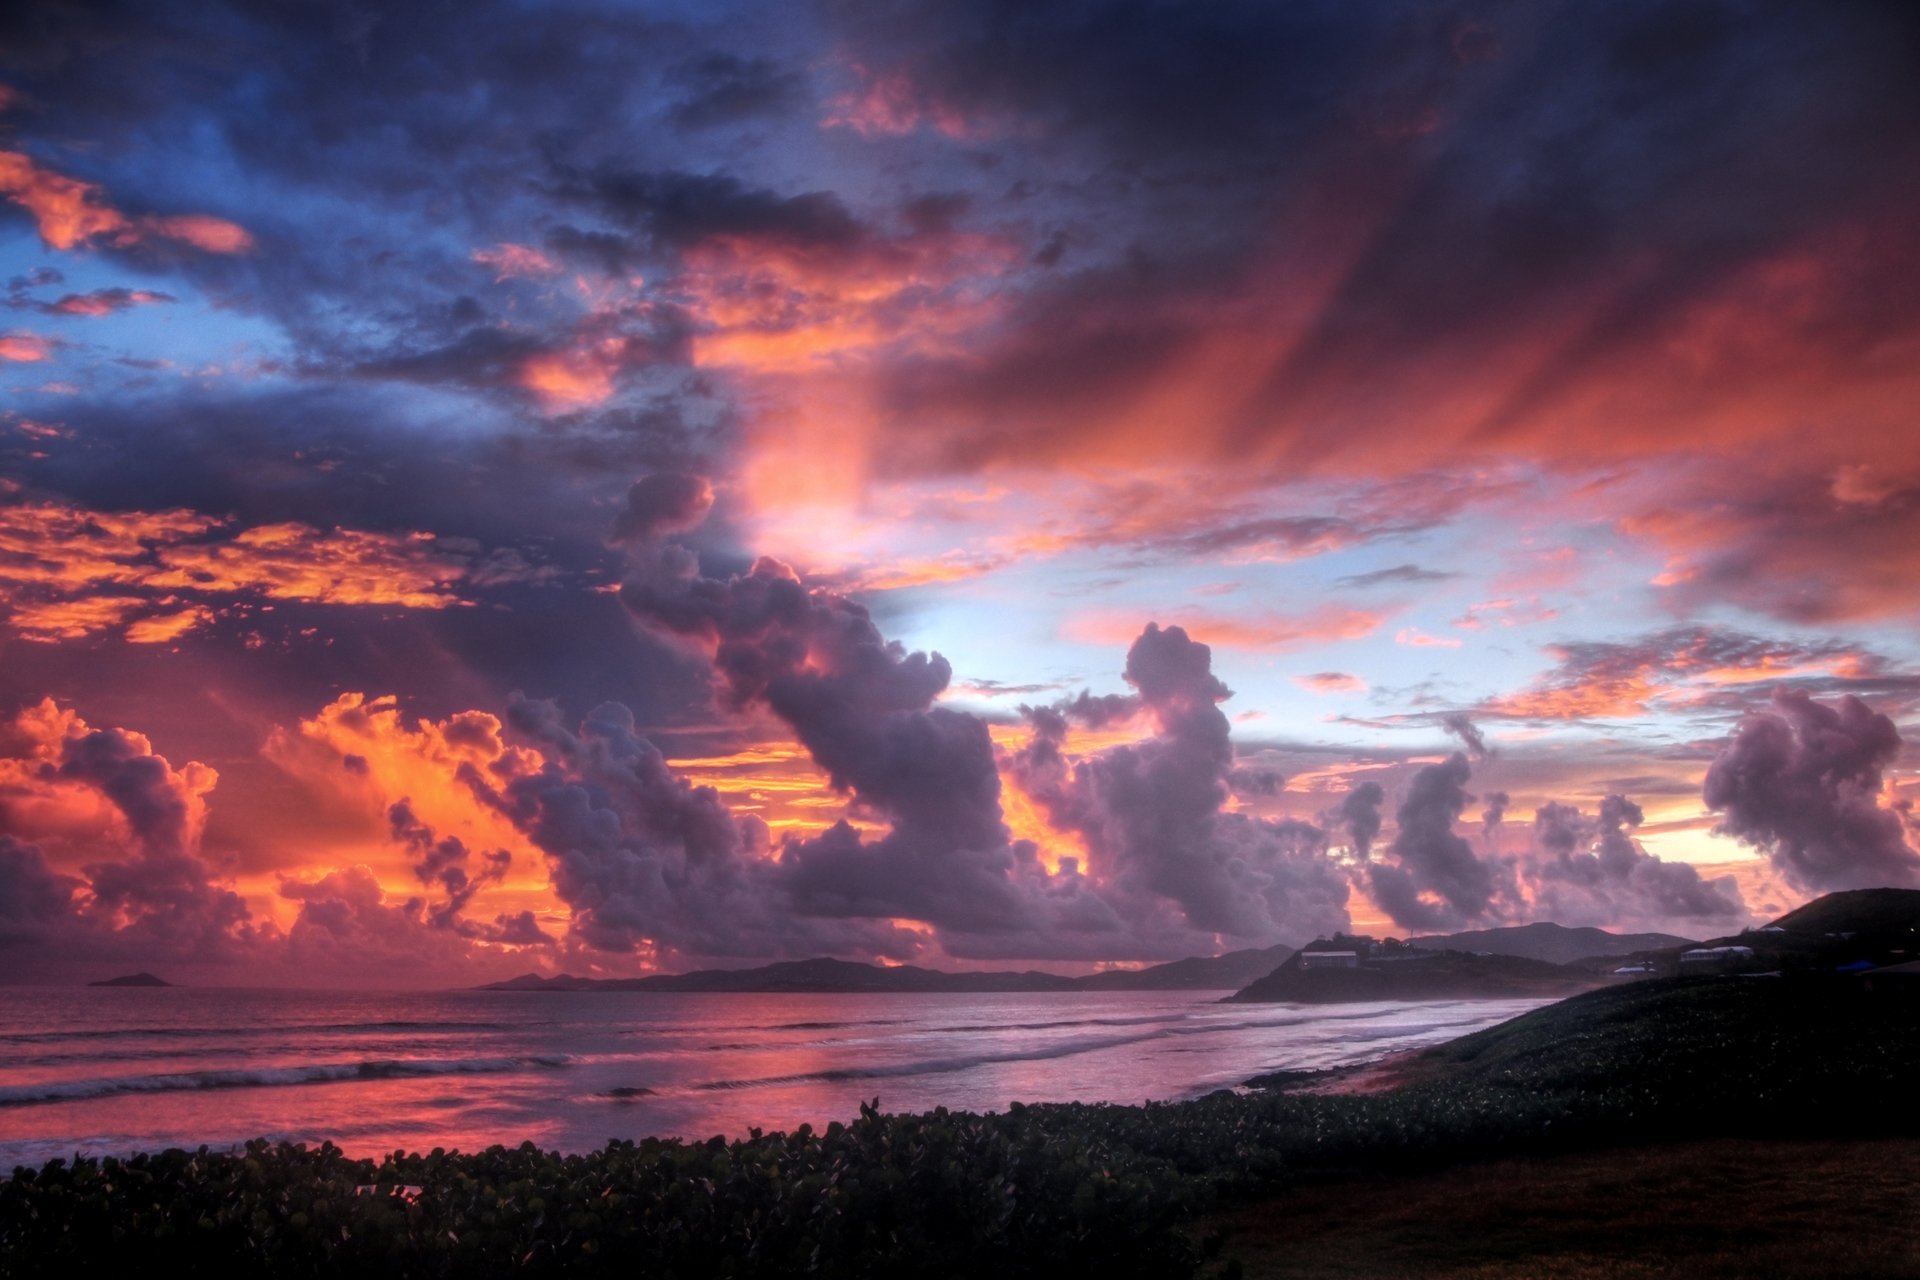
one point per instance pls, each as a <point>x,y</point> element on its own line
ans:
<point>821,976</point>
<point>1533,959</point>
<point>1551,942</point>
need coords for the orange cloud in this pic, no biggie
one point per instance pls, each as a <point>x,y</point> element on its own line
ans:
<point>891,104</point>
<point>73,819</point>
<point>104,302</point>
<point>1611,680</point>
<point>68,571</point>
<point>71,213</point>
<point>1421,640</point>
<point>511,260</point>
<point>777,782</point>
<point>1272,632</point>
<point>358,756</point>
<point>1331,682</point>
<point>299,562</point>
<point>569,379</point>
<point>24,348</point>
<point>164,628</point>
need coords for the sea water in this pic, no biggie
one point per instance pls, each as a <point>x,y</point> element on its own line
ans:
<point>100,1071</point>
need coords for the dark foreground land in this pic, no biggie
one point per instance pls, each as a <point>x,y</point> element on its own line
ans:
<point>1605,1094</point>
<point>1725,1209</point>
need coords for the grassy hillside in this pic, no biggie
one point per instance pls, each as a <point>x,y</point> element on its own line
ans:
<point>1555,943</point>
<point>1876,914</point>
<point>1441,975</point>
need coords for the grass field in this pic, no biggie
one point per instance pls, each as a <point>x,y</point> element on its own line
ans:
<point>1718,1210</point>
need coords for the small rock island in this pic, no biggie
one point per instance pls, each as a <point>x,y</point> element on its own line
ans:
<point>142,979</point>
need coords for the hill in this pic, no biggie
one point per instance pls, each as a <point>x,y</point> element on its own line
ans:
<point>142,979</point>
<point>825,976</point>
<point>1436,975</point>
<point>1556,943</point>
<point>1868,914</point>
<point>1227,972</point>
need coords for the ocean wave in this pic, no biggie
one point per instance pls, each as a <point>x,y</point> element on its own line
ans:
<point>46,1091</point>
<point>254,1029</point>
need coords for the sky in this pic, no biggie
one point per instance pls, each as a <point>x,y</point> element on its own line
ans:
<point>614,487</point>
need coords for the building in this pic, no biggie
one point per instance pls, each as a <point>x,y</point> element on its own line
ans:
<point>1329,959</point>
<point>1714,957</point>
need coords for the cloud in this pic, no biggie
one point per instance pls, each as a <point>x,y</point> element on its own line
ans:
<point>1331,682</point>
<point>509,261</point>
<point>1433,879</point>
<point>68,571</point>
<point>25,348</point>
<point>1399,575</point>
<point>1802,782</point>
<point>1323,624</point>
<point>1462,727</point>
<point>103,834</point>
<point>1152,813</point>
<point>1359,815</point>
<point>1671,669</point>
<point>102,302</point>
<point>74,214</point>
<point>1597,873</point>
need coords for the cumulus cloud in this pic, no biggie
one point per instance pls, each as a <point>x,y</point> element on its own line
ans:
<point>442,862</point>
<point>1460,726</point>
<point>1359,815</point>
<point>1595,872</point>
<point>1802,782</point>
<point>125,826</point>
<point>1153,817</point>
<point>1432,878</point>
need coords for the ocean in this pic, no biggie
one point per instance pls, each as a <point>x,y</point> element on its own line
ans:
<point>102,1071</point>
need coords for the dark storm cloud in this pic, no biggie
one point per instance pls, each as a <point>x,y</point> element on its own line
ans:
<point>1461,726</point>
<point>862,707</point>
<point>1153,813</point>
<point>1359,814</point>
<point>34,898</point>
<point>443,862</point>
<point>1596,872</point>
<point>1585,179</point>
<point>1496,811</point>
<point>1434,880</point>
<point>1814,549</point>
<point>1802,782</point>
<point>722,89</point>
<point>661,504</point>
<point>164,888</point>
<point>677,210</point>
<point>643,859</point>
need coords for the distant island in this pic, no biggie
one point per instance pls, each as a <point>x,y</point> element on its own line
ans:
<point>819,976</point>
<point>141,979</point>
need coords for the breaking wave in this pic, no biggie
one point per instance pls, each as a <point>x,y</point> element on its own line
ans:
<point>270,1077</point>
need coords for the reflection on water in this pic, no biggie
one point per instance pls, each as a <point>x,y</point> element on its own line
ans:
<point>106,1070</point>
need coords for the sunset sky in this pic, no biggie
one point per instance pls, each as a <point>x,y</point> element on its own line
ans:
<point>610,487</point>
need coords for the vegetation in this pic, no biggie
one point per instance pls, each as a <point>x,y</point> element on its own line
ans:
<point>1028,1192</point>
<point>1436,975</point>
